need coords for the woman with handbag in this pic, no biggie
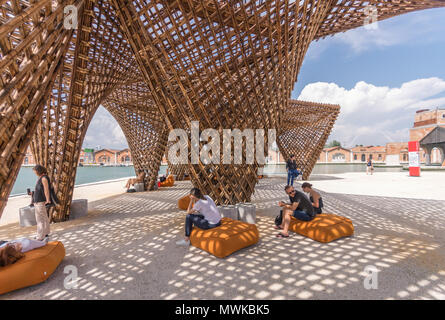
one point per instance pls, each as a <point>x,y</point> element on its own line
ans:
<point>42,199</point>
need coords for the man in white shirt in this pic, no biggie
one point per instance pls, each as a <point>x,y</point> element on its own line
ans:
<point>202,213</point>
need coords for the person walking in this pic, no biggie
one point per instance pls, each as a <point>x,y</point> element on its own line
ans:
<point>291,167</point>
<point>42,199</point>
<point>369,167</point>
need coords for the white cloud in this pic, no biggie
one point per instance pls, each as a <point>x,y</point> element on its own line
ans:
<point>418,28</point>
<point>104,131</point>
<point>376,115</point>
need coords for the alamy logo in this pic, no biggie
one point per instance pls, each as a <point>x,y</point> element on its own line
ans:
<point>371,18</point>
<point>70,20</point>
<point>70,281</point>
<point>178,153</point>
<point>371,278</point>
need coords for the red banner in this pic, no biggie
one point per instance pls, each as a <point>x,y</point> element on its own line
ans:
<point>414,160</point>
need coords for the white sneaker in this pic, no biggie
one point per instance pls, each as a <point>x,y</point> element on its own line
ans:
<point>183,242</point>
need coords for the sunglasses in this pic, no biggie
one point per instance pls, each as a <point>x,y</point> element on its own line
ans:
<point>291,192</point>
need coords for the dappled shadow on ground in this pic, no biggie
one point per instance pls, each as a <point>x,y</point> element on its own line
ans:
<point>125,249</point>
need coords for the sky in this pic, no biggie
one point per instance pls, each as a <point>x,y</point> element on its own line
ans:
<point>379,76</point>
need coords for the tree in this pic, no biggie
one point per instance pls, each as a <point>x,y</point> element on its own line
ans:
<point>333,143</point>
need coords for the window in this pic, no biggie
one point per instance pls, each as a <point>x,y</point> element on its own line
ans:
<point>380,157</point>
<point>363,158</point>
<point>26,160</point>
<point>338,157</point>
<point>127,159</point>
<point>370,157</point>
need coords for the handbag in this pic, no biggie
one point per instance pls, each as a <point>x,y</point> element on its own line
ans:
<point>279,219</point>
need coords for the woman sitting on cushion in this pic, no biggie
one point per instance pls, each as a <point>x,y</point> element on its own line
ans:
<point>202,213</point>
<point>12,251</point>
<point>314,196</point>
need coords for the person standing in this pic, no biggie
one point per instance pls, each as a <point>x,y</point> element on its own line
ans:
<point>42,198</point>
<point>291,167</point>
<point>369,167</point>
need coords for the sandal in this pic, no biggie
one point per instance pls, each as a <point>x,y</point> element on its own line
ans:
<point>280,235</point>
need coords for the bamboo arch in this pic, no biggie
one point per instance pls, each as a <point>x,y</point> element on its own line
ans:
<point>226,64</point>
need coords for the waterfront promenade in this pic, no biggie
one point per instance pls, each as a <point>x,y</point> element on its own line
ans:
<point>126,249</point>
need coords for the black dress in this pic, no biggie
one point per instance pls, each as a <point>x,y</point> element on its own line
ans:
<point>320,205</point>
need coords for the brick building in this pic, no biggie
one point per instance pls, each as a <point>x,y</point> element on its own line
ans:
<point>426,121</point>
<point>363,153</point>
<point>124,156</point>
<point>335,154</point>
<point>29,160</point>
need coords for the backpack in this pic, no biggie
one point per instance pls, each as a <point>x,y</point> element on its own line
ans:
<point>279,219</point>
<point>52,194</point>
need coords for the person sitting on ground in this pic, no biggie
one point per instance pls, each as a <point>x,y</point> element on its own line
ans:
<point>164,176</point>
<point>300,207</point>
<point>314,196</point>
<point>139,179</point>
<point>11,251</point>
<point>202,213</point>
<point>291,167</point>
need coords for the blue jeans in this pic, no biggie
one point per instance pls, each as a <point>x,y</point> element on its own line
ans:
<point>301,215</point>
<point>198,221</point>
<point>291,174</point>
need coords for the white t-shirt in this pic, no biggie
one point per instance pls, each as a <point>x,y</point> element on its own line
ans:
<point>27,244</point>
<point>208,209</point>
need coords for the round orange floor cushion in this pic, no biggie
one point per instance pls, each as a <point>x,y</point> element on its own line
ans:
<point>183,203</point>
<point>325,227</point>
<point>35,267</point>
<point>169,182</point>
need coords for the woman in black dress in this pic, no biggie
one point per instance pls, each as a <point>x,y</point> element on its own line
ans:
<point>314,196</point>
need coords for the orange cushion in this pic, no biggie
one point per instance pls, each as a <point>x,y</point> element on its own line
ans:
<point>169,182</point>
<point>231,236</point>
<point>183,203</point>
<point>35,267</point>
<point>324,227</point>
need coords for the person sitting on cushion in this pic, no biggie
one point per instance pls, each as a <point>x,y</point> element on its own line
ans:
<point>11,251</point>
<point>314,196</point>
<point>139,179</point>
<point>300,207</point>
<point>202,213</point>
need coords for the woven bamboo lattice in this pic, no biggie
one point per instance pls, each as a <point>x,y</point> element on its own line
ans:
<point>304,130</point>
<point>226,64</point>
<point>143,127</point>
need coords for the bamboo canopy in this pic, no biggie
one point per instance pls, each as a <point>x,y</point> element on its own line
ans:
<point>158,65</point>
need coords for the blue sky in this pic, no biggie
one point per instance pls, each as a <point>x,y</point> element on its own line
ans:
<point>380,77</point>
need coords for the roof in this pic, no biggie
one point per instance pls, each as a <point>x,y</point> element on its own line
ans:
<point>369,149</point>
<point>437,135</point>
<point>335,148</point>
<point>109,150</point>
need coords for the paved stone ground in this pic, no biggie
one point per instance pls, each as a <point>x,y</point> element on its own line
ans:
<point>125,249</point>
